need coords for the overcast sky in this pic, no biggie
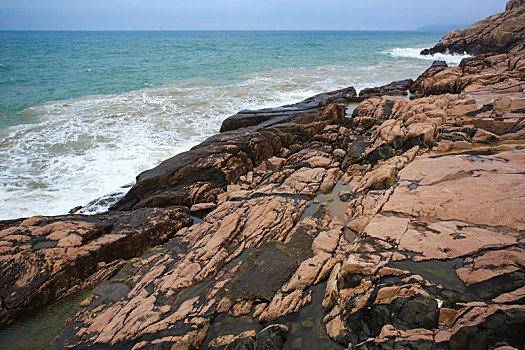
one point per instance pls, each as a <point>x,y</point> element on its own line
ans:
<point>240,14</point>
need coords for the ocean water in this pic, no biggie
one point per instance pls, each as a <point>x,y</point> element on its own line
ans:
<point>83,113</point>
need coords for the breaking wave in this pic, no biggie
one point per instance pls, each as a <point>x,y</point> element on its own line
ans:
<point>86,148</point>
<point>453,59</point>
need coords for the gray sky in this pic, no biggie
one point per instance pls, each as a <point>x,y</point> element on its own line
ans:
<point>240,14</point>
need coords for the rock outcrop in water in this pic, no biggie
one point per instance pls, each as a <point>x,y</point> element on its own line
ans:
<point>472,74</point>
<point>399,226</point>
<point>396,88</point>
<point>495,34</point>
<point>311,105</point>
<point>249,138</point>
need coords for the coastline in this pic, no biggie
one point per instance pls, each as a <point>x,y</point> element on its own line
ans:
<point>404,172</point>
<point>53,163</point>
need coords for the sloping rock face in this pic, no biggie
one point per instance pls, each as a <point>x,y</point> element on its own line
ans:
<point>42,258</point>
<point>204,172</point>
<point>512,4</point>
<point>255,256</point>
<point>495,34</point>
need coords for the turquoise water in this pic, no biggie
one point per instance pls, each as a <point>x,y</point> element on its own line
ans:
<point>44,66</point>
<point>82,113</point>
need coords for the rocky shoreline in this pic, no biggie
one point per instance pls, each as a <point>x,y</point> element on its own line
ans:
<point>395,223</point>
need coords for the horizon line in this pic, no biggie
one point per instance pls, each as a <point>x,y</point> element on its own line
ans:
<point>421,29</point>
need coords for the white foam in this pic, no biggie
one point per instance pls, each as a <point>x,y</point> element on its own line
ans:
<point>85,148</point>
<point>408,52</point>
<point>101,205</point>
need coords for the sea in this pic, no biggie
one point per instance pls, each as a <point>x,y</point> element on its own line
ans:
<point>83,113</point>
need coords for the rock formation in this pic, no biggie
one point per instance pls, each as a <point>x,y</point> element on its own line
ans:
<point>396,88</point>
<point>311,105</point>
<point>399,226</point>
<point>512,4</point>
<point>495,34</point>
<point>43,258</point>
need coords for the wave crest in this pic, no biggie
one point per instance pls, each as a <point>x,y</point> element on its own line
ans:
<point>411,52</point>
<point>85,148</point>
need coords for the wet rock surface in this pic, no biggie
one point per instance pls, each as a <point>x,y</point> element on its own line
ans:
<point>312,104</point>
<point>42,258</point>
<point>254,255</point>
<point>397,227</point>
<point>396,88</point>
<point>258,256</point>
<point>203,173</point>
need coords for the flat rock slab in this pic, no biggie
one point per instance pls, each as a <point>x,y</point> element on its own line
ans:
<point>454,206</point>
<point>484,191</point>
<point>396,88</point>
<point>262,274</point>
<point>442,262</point>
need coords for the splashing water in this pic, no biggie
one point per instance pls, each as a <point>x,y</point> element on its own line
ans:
<point>66,139</point>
